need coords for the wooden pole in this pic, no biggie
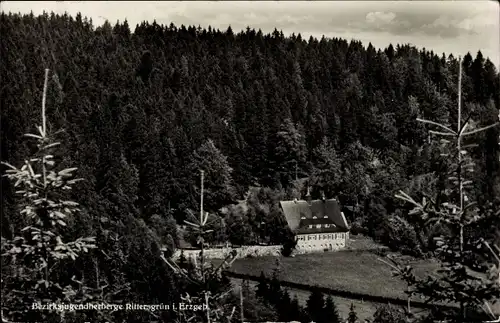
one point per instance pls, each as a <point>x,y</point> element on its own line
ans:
<point>459,175</point>
<point>44,122</point>
<point>202,254</point>
<point>459,146</point>
<point>242,315</point>
<point>459,126</point>
<point>201,198</point>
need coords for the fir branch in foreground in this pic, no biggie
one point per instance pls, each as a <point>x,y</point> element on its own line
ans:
<point>35,255</point>
<point>455,282</point>
<point>205,276</point>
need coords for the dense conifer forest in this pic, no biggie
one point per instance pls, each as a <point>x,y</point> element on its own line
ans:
<point>144,109</point>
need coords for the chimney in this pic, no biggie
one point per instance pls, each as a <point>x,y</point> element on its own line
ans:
<point>308,196</point>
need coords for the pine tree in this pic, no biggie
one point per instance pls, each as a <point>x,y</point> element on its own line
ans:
<point>330,313</point>
<point>262,291</point>
<point>353,316</point>
<point>457,213</point>
<point>36,255</point>
<point>283,306</point>
<point>255,309</point>
<point>327,171</point>
<point>274,289</point>
<point>211,286</point>
<point>295,309</point>
<point>219,190</point>
<point>315,305</point>
<point>289,152</point>
<point>182,260</point>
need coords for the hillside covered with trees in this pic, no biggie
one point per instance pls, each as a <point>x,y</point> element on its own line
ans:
<point>144,110</point>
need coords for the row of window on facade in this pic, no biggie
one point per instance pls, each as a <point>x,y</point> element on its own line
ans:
<point>323,236</point>
<point>326,225</point>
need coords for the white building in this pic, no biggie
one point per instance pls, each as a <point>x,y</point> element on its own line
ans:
<point>318,224</point>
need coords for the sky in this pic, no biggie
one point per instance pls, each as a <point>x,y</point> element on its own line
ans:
<point>447,26</point>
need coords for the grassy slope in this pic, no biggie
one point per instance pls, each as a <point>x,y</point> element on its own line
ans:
<point>352,271</point>
<point>355,271</point>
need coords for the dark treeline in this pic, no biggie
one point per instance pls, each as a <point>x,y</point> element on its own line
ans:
<point>143,111</point>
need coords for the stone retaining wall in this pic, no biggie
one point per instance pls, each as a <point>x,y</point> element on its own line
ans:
<point>242,252</point>
<point>246,251</point>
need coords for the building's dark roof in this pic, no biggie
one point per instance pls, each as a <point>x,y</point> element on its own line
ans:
<point>294,211</point>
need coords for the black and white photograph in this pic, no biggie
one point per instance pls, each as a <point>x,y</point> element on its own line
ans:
<point>250,161</point>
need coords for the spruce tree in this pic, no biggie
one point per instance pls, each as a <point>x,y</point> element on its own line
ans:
<point>211,287</point>
<point>182,260</point>
<point>330,313</point>
<point>315,305</point>
<point>36,256</point>
<point>219,189</point>
<point>283,306</point>
<point>274,290</point>
<point>289,153</point>
<point>456,284</point>
<point>254,308</point>
<point>295,309</point>
<point>327,171</point>
<point>262,290</point>
<point>353,316</point>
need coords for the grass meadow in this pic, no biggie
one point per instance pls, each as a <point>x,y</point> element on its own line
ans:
<point>356,269</point>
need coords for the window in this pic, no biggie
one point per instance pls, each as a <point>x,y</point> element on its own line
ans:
<point>327,225</point>
<point>342,235</point>
<point>335,236</point>
<point>318,226</point>
<point>310,226</point>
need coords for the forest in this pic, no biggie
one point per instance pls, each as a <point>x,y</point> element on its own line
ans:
<point>140,112</point>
